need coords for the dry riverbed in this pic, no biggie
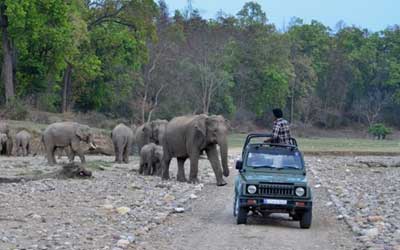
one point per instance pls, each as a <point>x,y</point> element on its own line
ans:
<point>119,209</point>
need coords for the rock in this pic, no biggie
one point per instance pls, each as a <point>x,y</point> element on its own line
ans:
<point>340,217</point>
<point>135,186</point>
<point>375,218</point>
<point>179,210</point>
<point>108,206</point>
<point>122,243</point>
<point>169,198</point>
<point>317,186</point>
<point>360,205</point>
<point>371,233</point>
<point>123,210</point>
<point>115,248</point>
<point>193,196</point>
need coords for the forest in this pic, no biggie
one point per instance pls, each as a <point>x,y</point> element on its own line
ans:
<point>139,60</point>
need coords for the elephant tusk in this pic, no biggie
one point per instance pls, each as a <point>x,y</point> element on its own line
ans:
<point>92,145</point>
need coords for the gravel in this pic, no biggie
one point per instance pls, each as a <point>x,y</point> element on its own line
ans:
<point>365,192</point>
<point>117,208</point>
<point>110,211</point>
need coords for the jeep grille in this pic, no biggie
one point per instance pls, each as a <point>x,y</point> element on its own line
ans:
<point>276,189</point>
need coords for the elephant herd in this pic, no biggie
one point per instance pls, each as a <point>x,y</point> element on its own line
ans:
<point>184,137</point>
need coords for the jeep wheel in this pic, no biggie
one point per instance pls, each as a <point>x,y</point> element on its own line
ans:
<point>235,206</point>
<point>306,218</point>
<point>241,213</point>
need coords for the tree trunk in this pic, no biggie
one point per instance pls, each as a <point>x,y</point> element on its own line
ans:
<point>66,88</point>
<point>7,68</point>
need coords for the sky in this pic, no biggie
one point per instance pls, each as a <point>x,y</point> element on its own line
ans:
<point>374,15</point>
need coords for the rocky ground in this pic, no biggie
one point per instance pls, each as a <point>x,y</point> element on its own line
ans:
<point>120,209</point>
<point>109,211</point>
<point>366,193</point>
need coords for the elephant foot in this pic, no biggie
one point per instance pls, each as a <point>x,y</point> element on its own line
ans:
<point>221,183</point>
<point>181,179</point>
<point>194,180</point>
<point>226,172</point>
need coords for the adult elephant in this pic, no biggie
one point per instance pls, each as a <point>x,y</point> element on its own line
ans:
<point>22,142</point>
<point>150,132</point>
<point>4,129</point>
<point>3,144</point>
<point>66,134</point>
<point>122,137</point>
<point>187,136</point>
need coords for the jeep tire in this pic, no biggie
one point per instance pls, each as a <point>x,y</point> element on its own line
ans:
<point>242,216</point>
<point>306,219</point>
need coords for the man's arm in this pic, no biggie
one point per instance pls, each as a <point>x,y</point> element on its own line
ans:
<point>275,133</point>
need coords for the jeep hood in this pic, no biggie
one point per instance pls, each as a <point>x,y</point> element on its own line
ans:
<point>276,178</point>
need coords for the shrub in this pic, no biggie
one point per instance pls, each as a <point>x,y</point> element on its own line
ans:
<point>15,110</point>
<point>379,131</point>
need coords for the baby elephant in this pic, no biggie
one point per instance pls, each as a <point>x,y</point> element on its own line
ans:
<point>23,139</point>
<point>3,144</point>
<point>150,159</point>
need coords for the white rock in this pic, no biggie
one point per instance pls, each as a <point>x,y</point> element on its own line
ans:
<point>123,210</point>
<point>317,186</point>
<point>123,243</point>
<point>340,217</point>
<point>108,206</point>
<point>179,210</point>
<point>193,196</point>
<point>371,232</point>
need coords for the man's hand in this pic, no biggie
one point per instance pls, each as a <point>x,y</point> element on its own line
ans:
<point>268,140</point>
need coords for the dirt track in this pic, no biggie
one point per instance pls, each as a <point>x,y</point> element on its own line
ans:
<point>209,224</point>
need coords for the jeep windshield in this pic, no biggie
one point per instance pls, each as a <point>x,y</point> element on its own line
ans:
<point>274,160</point>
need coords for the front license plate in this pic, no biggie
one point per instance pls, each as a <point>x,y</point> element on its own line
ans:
<point>275,202</point>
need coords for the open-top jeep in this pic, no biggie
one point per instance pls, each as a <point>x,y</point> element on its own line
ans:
<point>272,179</point>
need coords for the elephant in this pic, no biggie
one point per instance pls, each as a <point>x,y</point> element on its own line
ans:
<point>7,150</point>
<point>122,137</point>
<point>150,132</point>
<point>150,159</point>
<point>66,134</point>
<point>22,141</point>
<point>187,136</point>
<point>3,143</point>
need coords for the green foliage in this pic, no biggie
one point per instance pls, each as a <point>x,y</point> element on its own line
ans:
<point>379,131</point>
<point>15,110</point>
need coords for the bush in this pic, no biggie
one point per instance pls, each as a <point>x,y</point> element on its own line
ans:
<point>379,131</point>
<point>15,110</point>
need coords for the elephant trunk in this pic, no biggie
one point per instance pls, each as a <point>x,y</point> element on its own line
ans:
<point>223,146</point>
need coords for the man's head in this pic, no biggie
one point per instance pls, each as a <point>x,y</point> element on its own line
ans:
<point>277,113</point>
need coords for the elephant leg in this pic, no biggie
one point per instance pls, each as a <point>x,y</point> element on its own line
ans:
<point>141,166</point>
<point>212,154</point>
<point>50,150</point>
<point>127,149</point>
<point>165,166</point>
<point>181,169</point>
<point>194,167</point>
<point>70,154</point>
<point>76,149</point>
<point>116,151</point>
<point>28,149</point>
<point>120,152</point>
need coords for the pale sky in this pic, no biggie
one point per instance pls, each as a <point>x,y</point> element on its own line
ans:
<point>372,14</point>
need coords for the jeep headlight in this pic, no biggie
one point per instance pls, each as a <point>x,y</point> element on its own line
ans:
<point>251,189</point>
<point>300,191</point>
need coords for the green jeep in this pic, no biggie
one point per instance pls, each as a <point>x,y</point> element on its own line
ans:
<point>272,179</point>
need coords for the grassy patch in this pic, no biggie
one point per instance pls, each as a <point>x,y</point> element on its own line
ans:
<point>333,144</point>
<point>98,165</point>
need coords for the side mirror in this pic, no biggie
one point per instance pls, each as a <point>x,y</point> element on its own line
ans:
<point>239,165</point>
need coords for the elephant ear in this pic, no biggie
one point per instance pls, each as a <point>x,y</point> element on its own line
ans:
<point>81,132</point>
<point>201,127</point>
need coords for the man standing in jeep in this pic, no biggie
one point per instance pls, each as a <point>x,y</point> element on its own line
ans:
<point>280,130</point>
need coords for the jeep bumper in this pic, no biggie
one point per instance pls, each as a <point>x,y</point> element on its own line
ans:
<point>285,206</point>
